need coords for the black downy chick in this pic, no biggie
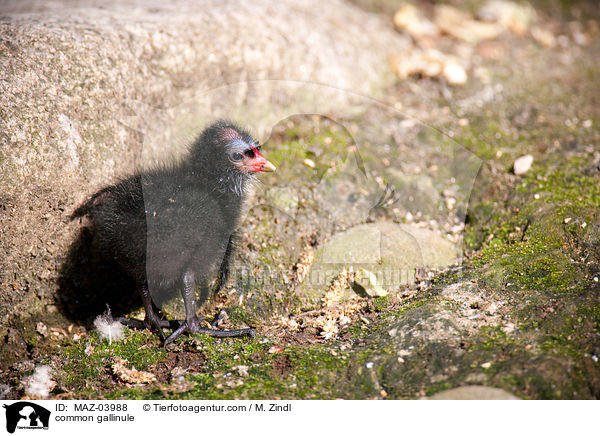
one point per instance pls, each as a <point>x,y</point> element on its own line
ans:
<point>171,227</point>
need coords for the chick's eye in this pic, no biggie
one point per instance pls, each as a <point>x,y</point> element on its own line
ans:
<point>236,157</point>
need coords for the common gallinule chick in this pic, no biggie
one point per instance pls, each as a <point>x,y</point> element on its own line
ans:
<point>172,227</point>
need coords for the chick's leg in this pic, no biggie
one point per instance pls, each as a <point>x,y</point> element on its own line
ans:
<point>192,323</point>
<point>152,320</point>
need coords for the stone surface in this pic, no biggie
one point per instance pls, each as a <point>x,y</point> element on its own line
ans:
<point>283,199</point>
<point>416,192</point>
<point>91,90</point>
<point>474,393</point>
<point>390,251</point>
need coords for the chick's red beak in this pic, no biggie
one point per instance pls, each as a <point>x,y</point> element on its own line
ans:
<point>259,163</point>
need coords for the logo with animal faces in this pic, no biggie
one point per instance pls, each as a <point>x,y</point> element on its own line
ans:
<point>25,415</point>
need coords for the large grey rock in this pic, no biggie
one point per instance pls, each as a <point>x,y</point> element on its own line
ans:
<point>390,251</point>
<point>423,344</point>
<point>416,191</point>
<point>89,89</point>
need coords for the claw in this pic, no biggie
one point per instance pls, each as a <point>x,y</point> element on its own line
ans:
<point>195,328</point>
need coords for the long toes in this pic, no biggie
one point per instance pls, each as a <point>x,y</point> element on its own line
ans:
<point>183,328</point>
<point>226,333</point>
<point>155,324</point>
<point>194,327</point>
<point>145,324</point>
<point>165,323</point>
<point>132,323</point>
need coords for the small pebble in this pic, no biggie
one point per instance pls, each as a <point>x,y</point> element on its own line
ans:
<point>309,163</point>
<point>455,74</point>
<point>543,36</point>
<point>242,370</point>
<point>522,164</point>
<point>42,329</point>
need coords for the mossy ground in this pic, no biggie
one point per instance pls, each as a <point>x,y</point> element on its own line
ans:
<point>238,369</point>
